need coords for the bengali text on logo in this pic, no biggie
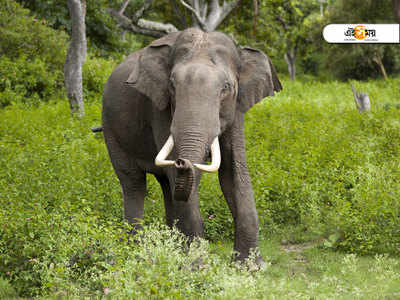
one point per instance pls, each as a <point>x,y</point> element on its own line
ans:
<point>361,33</point>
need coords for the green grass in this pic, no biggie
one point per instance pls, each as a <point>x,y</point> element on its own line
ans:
<point>324,176</point>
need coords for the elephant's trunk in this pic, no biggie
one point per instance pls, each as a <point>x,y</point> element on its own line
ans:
<point>191,148</point>
<point>184,182</point>
<point>189,158</point>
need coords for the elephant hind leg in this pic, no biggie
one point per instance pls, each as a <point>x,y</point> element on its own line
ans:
<point>132,180</point>
<point>134,191</point>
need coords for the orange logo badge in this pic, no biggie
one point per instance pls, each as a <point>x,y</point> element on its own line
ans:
<point>360,32</point>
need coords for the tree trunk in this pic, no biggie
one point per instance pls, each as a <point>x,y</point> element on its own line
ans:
<point>255,4</point>
<point>76,56</point>
<point>290,58</point>
<point>396,9</point>
<point>216,12</point>
<point>377,59</point>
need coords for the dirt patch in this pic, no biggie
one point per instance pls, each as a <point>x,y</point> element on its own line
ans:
<point>296,247</point>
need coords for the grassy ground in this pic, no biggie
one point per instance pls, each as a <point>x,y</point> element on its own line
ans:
<point>326,182</point>
<point>161,269</point>
<point>308,271</point>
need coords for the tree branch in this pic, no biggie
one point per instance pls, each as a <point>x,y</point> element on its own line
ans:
<point>123,6</point>
<point>157,26</point>
<point>282,21</point>
<point>207,20</point>
<point>214,5</point>
<point>202,24</point>
<point>204,9</point>
<point>227,8</point>
<point>140,12</point>
<point>218,13</point>
<point>127,24</point>
<point>139,25</point>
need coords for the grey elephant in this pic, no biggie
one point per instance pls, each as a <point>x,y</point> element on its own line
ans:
<point>170,107</point>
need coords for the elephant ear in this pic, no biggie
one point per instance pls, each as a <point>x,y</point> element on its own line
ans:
<point>150,72</point>
<point>257,78</point>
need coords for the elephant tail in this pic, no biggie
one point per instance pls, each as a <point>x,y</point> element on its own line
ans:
<point>97,129</point>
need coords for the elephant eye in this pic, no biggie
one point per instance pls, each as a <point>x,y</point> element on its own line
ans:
<point>226,87</point>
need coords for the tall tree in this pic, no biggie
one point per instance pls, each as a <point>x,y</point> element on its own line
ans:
<point>396,9</point>
<point>207,15</point>
<point>76,56</point>
<point>287,18</point>
<point>255,6</point>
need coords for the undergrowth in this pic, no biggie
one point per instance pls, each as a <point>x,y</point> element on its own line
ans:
<point>320,171</point>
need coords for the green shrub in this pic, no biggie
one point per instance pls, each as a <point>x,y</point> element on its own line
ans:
<point>316,162</point>
<point>96,71</point>
<point>32,57</point>
<point>103,33</point>
<point>27,81</point>
<point>317,165</point>
<point>6,290</point>
<point>23,35</point>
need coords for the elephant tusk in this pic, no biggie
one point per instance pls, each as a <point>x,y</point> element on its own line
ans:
<point>215,159</point>
<point>160,160</point>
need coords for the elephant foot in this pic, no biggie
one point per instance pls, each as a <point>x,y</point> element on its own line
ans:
<point>253,264</point>
<point>257,264</point>
<point>260,263</point>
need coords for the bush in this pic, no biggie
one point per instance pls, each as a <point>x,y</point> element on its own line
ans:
<point>30,81</point>
<point>32,57</point>
<point>317,165</point>
<point>6,290</point>
<point>27,81</point>
<point>96,71</point>
<point>104,262</point>
<point>23,35</point>
<point>316,162</point>
<point>32,60</point>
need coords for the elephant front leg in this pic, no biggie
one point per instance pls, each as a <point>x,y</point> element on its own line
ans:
<point>236,186</point>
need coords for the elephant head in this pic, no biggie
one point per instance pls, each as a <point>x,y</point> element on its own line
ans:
<point>203,80</point>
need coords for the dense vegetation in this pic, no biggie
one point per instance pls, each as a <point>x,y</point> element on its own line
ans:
<point>32,60</point>
<point>322,174</point>
<point>320,170</point>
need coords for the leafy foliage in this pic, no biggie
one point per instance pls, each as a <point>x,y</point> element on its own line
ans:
<point>96,71</point>
<point>319,163</point>
<point>23,35</point>
<point>32,60</point>
<point>104,36</point>
<point>31,81</point>
<point>287,18</point>
<point>27,81</point>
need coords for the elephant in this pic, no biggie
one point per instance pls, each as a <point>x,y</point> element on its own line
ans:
<point>173,105</point>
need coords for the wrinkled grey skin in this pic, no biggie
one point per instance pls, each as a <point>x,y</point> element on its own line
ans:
<point>195,86</point>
